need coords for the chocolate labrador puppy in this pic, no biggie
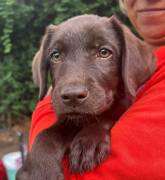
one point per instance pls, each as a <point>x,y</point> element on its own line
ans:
<point>96,66</point>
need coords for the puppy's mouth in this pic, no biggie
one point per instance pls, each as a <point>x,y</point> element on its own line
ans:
<point>89,110</point>
<point>83,116</point>
<point>77,117</point>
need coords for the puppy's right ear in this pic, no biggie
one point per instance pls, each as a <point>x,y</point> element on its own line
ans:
<point>138,62</point>
<point>40,64</point>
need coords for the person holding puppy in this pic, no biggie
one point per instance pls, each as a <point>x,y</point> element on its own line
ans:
<point>138,138</point>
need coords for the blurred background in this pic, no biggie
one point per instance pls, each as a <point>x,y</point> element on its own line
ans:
<point>22,24</point>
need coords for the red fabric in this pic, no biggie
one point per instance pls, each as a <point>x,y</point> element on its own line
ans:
<point>2,172</point>
<point>138,138</point>
<point>42,118</point>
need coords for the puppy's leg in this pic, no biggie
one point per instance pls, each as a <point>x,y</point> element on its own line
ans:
<point>90,147</point>
<point>45,159</point>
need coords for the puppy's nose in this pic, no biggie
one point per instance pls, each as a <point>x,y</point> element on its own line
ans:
<point>73,95</point>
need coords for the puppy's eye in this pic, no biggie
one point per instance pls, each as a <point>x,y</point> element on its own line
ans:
<point>55,56</point>
<point>105,53</point>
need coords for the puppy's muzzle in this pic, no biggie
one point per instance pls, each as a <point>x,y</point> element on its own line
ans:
<point>74,94</point>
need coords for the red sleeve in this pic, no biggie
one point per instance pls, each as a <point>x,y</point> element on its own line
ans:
<point>43,117</point>
<point>138,138</point>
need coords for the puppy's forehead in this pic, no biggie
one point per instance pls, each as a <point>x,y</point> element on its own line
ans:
<point>82,28</point>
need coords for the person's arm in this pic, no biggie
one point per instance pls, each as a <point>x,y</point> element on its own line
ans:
<point>138,138</point>
<point>43,117</point>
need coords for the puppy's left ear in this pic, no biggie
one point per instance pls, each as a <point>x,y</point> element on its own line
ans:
<point>137,60</point>
<point>40,64</point>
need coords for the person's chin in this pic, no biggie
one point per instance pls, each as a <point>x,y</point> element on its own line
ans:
<point>156,42</point>
<point>153,35</point>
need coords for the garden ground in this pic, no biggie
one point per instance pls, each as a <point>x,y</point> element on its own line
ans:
<point>9,139</point>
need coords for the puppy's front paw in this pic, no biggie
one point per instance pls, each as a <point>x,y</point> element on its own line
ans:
<point>88,150</point>
<point>22,175</point>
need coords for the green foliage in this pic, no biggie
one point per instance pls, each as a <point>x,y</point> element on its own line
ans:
<point>22,24</point>
<point>6,14</point>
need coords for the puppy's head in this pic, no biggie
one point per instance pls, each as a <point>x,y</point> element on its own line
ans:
<point>91,59</point>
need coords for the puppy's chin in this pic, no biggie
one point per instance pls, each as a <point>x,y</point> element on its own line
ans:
<point>76,116</point>
<point>79,119</point>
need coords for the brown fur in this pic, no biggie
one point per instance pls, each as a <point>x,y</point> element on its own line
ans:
<point>90,92</point>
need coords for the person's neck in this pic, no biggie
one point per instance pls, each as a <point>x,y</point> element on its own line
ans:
<point>153,47</point>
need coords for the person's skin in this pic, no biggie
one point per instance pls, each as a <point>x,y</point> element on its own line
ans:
<point>148,17</point>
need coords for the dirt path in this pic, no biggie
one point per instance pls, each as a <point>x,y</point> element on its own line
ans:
<point>9,139</point>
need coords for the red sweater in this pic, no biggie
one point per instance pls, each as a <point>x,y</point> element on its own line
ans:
<point>138,138</point>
